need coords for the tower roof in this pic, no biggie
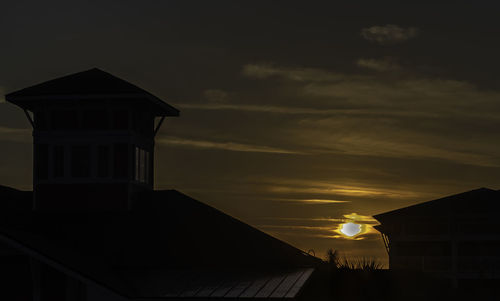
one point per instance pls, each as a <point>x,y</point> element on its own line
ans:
<point>89,84</point>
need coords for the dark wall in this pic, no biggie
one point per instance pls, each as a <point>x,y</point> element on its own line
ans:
<point>82,196</point>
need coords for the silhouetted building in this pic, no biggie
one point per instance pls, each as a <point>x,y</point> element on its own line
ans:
<point>93,134</point>
<point>94,228</point>
<point>456,237</point>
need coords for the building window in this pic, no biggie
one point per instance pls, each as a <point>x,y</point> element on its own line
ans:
<point>58,161</point>
<point>136,163</point>
<point>141,165</point>
<point>103,161</point>
<point>95,120</point>
<point>146,166</point>
<point>120,120</point>
<point>120,166</point>
<point>64,120</point>
<point>80,161</point>
<point>42,161</point>
<point>40,120</point>
<point>143,122</point>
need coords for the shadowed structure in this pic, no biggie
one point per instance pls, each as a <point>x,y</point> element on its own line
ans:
<point>92,133</point>
<point>455,237</point>
<point>94,228</point>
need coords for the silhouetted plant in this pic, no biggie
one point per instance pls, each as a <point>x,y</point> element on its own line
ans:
<point>363,263</point>
<point>332,258</point>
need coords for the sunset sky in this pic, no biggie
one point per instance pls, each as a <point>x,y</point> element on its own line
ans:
<point>294,115</point>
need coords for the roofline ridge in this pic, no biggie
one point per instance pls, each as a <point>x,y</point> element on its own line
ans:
<point>433,200</point>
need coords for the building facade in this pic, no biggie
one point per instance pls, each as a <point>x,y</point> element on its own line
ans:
<point>93,228</point>
<point>456,237</point>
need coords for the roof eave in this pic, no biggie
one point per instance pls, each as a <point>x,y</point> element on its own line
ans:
<point>28,102</point>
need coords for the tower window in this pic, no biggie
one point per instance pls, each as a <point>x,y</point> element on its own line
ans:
<point>80,161</point>
<point>42,161</point>
<point>95,120</point>
<point>103,161</point>
<point>64,120</point>
<point>58,161</point>
<point>121,161</point>
<point>40,120</point>
<point>146,167</point>
<point>120,120</point>
<point>137,163</point>
<point>141,165</point>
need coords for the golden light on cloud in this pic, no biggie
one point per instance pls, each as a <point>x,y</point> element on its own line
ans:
<point>335,190</point>
<point>312,201</point>
<point>318,201</point>
<point>356,225</point>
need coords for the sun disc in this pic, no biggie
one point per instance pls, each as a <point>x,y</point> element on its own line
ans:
<point>350,229</point>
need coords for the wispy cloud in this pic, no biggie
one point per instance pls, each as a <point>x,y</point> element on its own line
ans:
<point>396,117</point>
<point>385,64</point>
<point>394,144</point>
<point>302,186</point>
<point>252,108</point>
<point>273,109</point>
<point>366,219</point>
<point>228,146</point>
<point>2,94</point>
<point>329,228</point>
<point>216,95</point>
<point>262,71</point>
<point>15,134</point>
<point>312,201</point>
<point>389,33</point>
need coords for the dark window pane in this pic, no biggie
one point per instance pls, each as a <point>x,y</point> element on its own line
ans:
<point>143,122</point>
<point>95,120</point>
<point>147,167</point>
<point>103,161</point>
<point>120,120</point>
<point>58,160</point>
<point>142,166</point>
<point>40,120</point>
<point>120,160</point>
<point>42,161</point>
<point>136,163</point>
<point>80,161</point>
<point>64,120</point>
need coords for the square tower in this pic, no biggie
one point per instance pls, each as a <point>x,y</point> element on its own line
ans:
<point>93,140</point>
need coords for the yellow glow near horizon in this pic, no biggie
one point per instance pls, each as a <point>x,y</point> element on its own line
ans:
<point>355,226</point>
<point>350,229</point>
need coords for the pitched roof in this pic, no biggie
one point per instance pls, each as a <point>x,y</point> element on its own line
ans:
<point>220,284</point>
<point>172,232</point>
<point>482,200</point>
<point>84,85</point>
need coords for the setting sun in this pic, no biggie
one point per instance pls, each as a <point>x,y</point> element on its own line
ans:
<point>350,229</point>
